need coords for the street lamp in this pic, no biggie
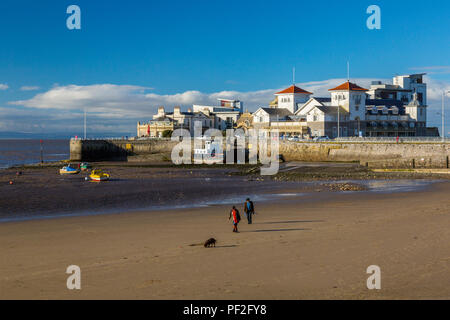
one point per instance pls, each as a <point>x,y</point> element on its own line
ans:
<point>443,114</point>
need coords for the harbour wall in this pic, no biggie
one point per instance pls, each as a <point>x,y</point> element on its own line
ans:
<point>118,150</point>
<point>383,155</point>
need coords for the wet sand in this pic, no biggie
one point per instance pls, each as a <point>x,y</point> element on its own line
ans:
<point>42,192</point>
<point>316,246</point>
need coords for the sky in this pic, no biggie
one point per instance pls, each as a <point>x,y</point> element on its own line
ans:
<point>129,57</point>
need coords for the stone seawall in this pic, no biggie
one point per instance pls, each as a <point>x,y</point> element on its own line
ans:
<point>118,150</point>
<point>370,154</point>
<point>293,151</point>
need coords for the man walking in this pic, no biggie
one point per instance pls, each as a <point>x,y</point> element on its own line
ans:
<point>249,209</point>
<point>234,213</point>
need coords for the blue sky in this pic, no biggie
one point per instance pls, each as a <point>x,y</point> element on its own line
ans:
<point>170,49</point>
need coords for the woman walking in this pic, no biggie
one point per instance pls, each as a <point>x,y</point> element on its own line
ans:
<point>234,213</point>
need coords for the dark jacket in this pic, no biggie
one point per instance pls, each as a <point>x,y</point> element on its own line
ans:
<point>246,207</point>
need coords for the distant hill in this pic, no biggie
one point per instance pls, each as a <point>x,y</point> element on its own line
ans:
<point>56,135</point>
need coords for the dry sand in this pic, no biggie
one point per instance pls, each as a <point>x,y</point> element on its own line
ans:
<point>312,247</point>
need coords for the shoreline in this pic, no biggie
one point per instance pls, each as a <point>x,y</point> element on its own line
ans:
<point>287,194</point>
<point>38,195</point>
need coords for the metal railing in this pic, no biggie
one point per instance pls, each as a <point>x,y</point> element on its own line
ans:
<point>336,140</point>
<point>393,139</point>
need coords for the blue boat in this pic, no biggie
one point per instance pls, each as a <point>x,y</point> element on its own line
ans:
<point>69,170</point>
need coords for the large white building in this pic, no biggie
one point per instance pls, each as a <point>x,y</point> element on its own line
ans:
<point>222,117</point>
<point>225,114</point>
<point>397,109</point>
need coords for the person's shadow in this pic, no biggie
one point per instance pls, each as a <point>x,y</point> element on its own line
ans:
<point>276,230</point>
<point>294,221</point>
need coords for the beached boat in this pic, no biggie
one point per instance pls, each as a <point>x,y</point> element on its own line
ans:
<point>68,170</point>
<point>99,175</point>
<point>85,166</point>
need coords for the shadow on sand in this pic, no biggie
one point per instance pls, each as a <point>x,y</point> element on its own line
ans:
<point>228,246</point>
<point>283,222</point>
<point>276,230</point>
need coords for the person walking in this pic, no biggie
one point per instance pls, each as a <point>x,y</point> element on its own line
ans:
<point>234,213</point>
<point>249,210</point>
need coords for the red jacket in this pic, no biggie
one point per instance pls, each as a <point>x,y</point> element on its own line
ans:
<point>236,216</point>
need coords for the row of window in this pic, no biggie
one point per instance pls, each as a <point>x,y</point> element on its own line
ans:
<point>357,98</point>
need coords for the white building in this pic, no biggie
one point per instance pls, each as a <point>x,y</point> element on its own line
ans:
<point>398,109</point>
<point>280,119</point>
<point>292,98</point>
<point>225,115</point>
<point>402,104</point>
<point>343,112</point>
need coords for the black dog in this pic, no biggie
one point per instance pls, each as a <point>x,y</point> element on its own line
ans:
<point>210,242</point>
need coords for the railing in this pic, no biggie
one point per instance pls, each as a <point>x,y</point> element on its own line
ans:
<point>337,140</point>
<point>121,139</point>
<point>393,139</point>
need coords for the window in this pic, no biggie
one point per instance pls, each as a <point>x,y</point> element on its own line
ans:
<point>357,108</point>
<point>420,97</point>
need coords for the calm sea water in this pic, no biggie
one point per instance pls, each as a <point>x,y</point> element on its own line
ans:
<point>17,152</point>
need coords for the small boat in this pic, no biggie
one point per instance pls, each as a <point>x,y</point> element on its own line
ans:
<point>85,166</point>
<point>98,175</point>
<point>69,170</point>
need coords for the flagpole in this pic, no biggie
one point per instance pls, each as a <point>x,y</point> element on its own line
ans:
<point>84,123</point>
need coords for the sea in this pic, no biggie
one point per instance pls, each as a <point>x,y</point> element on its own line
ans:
<point>28,151</point>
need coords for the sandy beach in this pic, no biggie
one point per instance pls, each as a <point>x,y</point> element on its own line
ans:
<point>304,245</point>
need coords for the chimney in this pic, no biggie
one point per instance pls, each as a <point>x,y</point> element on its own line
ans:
<point>176,111</point>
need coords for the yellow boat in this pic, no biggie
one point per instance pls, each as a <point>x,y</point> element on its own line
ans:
<point>98,175</point>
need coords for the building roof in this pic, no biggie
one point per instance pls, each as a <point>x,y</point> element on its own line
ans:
<point>281,112</point>
<point>192,114</point>
<point>348,86</point>
<point>384,102</point>
<point>165,119</point>
<point>332,110</point>
<point>293,89</point>
<point>225,110</point>
<point>323,100</point>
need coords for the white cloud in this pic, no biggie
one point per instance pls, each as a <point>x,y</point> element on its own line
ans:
<point>4,86</point>
<point>116,108</point>
<point>433,69</point>
<point>29,88</point>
